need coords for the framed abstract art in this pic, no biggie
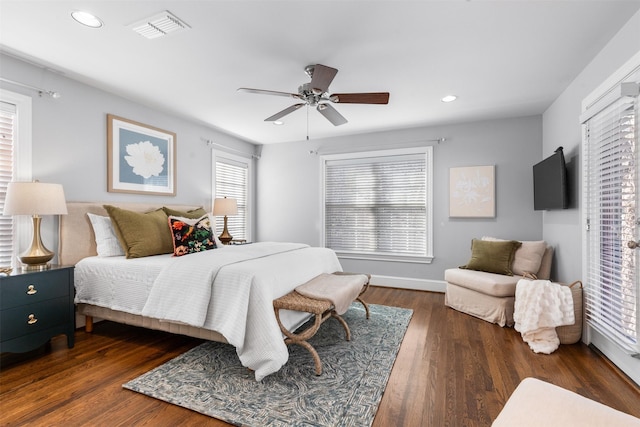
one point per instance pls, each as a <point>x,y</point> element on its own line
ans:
<point>472,192</point>
<point>141,159</point>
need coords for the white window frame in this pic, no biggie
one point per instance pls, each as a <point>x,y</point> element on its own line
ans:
<point>427,151</point>
<point>22,170</point>
<point>221,156</point>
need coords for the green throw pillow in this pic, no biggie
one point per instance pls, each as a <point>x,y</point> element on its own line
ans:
<point>141,234</point>
<point>491,256</point>
<point>192,214</point>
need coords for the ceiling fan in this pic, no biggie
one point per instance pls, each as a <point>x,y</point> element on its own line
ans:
<point>315,94</point>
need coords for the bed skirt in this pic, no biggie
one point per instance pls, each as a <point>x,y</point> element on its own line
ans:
<point>149,323</point>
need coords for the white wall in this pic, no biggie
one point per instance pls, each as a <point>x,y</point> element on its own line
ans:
<point>561,126</point>
<point>70,140</point>
<point>288,201</point>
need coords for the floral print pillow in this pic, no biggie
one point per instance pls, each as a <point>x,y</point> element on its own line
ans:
<point>191,235</point>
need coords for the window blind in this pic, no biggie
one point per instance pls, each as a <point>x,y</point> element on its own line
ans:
<point>231,181</point>
<point>611,207</point>
<point>377,205</point>
<point>7,133</point>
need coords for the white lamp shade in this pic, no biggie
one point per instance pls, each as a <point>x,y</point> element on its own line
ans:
<point>222,207</point>
<point>34,198</point>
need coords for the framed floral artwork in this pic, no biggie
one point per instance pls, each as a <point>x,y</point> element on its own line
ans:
<point>472,192</point>
<point>141,159</point>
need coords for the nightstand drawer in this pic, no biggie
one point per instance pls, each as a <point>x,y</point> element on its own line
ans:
<point>33,288</point>
<point>25,320</point>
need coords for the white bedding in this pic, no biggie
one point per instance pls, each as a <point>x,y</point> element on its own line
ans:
<point>241,298</point>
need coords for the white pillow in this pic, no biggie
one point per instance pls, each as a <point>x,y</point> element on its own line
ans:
<point>528,257</point>
<point>107,243</point>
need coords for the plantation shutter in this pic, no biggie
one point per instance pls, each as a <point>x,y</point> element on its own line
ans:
<point>232,182</point>
<point>377,205</point>
<point>611,207</point>
<point>7,133</point>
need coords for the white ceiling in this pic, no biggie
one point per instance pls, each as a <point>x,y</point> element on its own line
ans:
<point>501,58</point>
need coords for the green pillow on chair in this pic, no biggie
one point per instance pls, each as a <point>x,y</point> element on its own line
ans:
<point>492,256</point>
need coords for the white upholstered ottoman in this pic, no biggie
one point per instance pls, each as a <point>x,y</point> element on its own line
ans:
<point>538,403</point>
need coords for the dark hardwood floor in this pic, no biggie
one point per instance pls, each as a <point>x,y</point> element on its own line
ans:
<point>452,370</point>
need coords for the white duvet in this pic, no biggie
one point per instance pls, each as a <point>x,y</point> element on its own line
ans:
<point>239,304</point>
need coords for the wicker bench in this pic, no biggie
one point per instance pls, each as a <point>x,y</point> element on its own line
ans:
<point>321,309</point>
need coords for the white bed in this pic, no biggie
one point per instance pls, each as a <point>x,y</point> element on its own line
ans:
<point>239,310</point>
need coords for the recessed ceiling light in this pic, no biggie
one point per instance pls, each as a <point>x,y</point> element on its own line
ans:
<point>278,122</point>
<point>449,98</point>
<point>86,18</point>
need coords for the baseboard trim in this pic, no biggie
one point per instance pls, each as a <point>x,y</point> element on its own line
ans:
<point>409,283</point>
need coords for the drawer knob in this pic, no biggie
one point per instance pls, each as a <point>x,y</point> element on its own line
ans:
<point>32,319</point>
<point>31,290</point>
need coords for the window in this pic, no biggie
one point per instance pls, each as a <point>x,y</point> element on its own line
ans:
<point>377,205</point>
<point>7,125</point>
<point>15,165</point>
<point>231,179</point>
<point>611,175</point>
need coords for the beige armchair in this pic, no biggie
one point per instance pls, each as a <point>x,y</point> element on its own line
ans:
<point>491,296</point>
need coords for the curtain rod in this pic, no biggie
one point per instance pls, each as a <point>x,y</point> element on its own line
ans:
<point>51,93</point>
<point>210,143</point>
<point>381,147</point>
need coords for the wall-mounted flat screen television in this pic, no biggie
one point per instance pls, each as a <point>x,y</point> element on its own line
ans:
<point>550,183</point>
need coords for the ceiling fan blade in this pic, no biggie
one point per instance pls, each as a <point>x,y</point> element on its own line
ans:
<point>360,98</point>
<point>322,77</point>
<point>283,113</point>
<point>268,92</point>
<point>331,114</point>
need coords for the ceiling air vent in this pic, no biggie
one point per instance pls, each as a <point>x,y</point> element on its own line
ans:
<point>159,25</point>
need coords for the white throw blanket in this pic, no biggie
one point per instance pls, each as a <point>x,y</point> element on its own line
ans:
<point>233,292</point>
<point>341,290</point>
<point>182,291</point>
<point>540,307</point>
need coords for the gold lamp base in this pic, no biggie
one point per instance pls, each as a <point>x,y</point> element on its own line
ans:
<point>37,257</point>
<point>225,237</point>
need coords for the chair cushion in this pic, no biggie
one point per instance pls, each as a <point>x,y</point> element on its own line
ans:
<point>498,285</point>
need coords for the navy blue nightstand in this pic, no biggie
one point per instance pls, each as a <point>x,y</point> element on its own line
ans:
<point>36,306</point>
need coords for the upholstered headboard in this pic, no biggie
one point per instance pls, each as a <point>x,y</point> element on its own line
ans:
<point>76,238</point>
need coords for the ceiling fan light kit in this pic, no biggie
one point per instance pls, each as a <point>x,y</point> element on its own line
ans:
<point>315,94</point>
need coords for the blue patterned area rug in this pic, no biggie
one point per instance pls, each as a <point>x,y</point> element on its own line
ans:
<point>209,378</point>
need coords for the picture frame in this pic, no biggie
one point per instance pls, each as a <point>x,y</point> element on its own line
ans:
<point>472,192</point>
<point>141,159</point>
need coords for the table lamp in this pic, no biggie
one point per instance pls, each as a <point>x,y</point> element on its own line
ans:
<point>224,207</point>
<point>35,199</point>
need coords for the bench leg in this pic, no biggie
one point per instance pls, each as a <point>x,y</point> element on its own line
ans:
<point>310,349</point>
<point>301,338</point>
<point>366,306</point>
<point>343,323</point>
